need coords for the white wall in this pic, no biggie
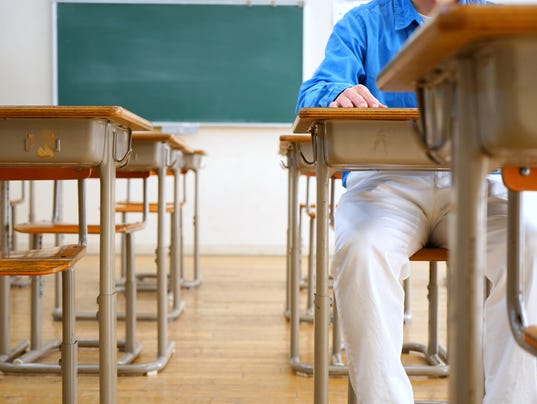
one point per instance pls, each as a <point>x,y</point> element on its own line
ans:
<point>243,189</point>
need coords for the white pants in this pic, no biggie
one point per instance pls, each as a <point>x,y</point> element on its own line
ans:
<point>381,220</point>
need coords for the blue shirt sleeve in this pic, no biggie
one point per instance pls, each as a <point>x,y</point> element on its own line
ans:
<point>360,45</point>
<point>340,68</point>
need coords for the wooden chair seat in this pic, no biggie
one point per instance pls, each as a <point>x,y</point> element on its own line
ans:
<point>138,207</point>
<point>41,261</point>
<point>430,254</point>
<point>70,228</point>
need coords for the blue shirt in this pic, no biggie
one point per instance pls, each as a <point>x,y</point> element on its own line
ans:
<point>361,44</point>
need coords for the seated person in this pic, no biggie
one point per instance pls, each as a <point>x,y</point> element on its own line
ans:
<point>384,217</point>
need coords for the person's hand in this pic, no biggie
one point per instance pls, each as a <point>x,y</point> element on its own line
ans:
<point>358,96</point>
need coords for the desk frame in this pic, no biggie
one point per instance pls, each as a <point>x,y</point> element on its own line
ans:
<point>114,118</point>
<point>319,122</point>
<point>450,50</point>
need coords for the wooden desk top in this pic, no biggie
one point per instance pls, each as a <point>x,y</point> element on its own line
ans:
<point>171,139</point>
<point>156,136</point>
<point>287,140</point>
<point>308,116</point>
<point>453,30</point>
<point>116,114</point>
<point>295,138</point>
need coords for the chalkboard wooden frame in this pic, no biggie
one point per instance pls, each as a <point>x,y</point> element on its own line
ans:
<point>177,62</point>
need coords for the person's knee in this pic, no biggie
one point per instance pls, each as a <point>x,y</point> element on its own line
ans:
<point>358,243</point>
<point>360,255</point>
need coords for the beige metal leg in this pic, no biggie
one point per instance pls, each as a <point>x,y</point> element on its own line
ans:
<point>467,245</point>
<point>195,281</point>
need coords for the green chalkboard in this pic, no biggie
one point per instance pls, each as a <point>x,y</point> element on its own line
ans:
<point>181,62</point>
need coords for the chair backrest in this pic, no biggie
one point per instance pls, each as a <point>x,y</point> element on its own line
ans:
<point>520,178</point>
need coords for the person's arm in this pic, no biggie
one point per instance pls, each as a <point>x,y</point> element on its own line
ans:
<point>336,81</point>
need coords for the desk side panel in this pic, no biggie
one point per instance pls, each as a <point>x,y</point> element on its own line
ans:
<point>507,108</point>
<point>68,142</point>
<point>374,145</point>
<point>146,155</point>
<point>191,162</point>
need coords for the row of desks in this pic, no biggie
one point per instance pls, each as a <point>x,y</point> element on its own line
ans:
<point>100,138</point>
<point>473,70</point>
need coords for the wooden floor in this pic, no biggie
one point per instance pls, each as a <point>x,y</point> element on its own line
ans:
<point>232,340</point>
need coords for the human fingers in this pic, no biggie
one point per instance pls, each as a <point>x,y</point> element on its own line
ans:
<point>357,96</point>
<point>349,98</point>
<point>369,98</point>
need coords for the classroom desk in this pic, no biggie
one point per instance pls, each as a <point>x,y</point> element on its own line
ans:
<point>478,63</point>
<point>295,148</point>
<point>351,139</point>
<point>154,151</point>
<point>151,152</point>
<point>297,151</point>
<point>192,162</point>
<point>78,136</point>
<point>186,159</point>
<point>174,161</point>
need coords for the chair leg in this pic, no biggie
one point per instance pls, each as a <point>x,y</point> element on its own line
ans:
<point>434,354</point>
<point>130,297</point>
<point>69,347</point>
<point>408,313</point>
<point>336,337</point>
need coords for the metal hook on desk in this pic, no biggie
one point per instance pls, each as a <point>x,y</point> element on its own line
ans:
<point>309,162</point>
<point>313,145</point>
<point>432,132</point>
<point>125,159</point>
<point>170,158</point>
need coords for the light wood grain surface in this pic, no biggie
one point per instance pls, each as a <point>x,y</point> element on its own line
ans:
<point>453,30</point>
<point>306,117</point>
<point>232,341</point>
<point>116,114</point>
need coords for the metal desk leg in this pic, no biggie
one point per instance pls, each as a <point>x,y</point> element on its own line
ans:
<point>164,348</point>
<point>322,297</point>
<point>175,279</point>
<point>294,261</point>
<point>196,280</point>
<point>468,243</point>
<point>288,245</point>
<point>107,294</point>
